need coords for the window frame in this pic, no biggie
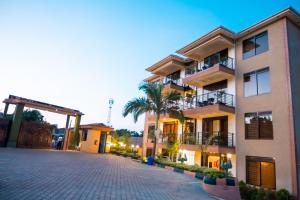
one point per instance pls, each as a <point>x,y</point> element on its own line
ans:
<point>254,38</point>
<point>258,126</point>
<point>260,160</point>
<point>256,72</point>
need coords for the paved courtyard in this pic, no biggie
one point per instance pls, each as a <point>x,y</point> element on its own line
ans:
<point>46,174</point>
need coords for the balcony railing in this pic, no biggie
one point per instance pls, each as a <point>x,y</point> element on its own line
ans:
<point>167,81</point>
<point>216,97</point>
<point>220,139</point>
<point>201,66</point>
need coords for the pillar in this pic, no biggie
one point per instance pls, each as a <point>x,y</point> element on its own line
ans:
<point>15,126</point>
<point>76,129</point>
<point>66,138</point>
<point>5,109</point>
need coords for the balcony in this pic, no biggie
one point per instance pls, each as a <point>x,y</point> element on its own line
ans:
<point>221,143</point>
<point>210,72</point>
<point>215,103</point>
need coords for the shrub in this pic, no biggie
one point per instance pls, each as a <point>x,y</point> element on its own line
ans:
<point>283,194</point>
<point>270,195</point>
<point>243,189</point>
<point>214,173</point>
<point>261,194</point>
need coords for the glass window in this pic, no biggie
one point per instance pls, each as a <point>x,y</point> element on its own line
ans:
<point>251,126</point>
<point>261,172</point>
<point>257,82</point>
<point>263,81</point>
<point>250,86</point>
<point>261,43</point>
<point>259,125</point>
<point>151,132</point>
<point>255,45</point>
<point>248,48</point>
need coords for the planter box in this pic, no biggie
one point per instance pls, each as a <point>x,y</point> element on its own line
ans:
<point>210,181</point>
<point>189,173</point>
<point>224,192</point>
<point>230,181</point>
<point>178,170</point>
<point>199,175</point>
<point>221,181</point>
<point>160,165</point>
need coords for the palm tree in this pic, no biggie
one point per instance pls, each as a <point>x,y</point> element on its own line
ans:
<point>155,102</point>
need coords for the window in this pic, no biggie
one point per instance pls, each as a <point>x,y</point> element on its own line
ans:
<point>255,45</point>
<point>257,82</point>
<point>259,125</point>
<point>84,134</point>
<point>218,86</point>
<point>260,171</point>
<point>151,132</point>
<point>216,58</point>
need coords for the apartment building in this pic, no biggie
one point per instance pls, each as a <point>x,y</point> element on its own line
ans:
<point>243,88</point>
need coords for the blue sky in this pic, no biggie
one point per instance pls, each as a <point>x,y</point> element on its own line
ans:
<point>79,54</point>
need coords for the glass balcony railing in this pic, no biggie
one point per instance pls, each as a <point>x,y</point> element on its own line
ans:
<point>216,97</point>
<point>201,66</point>
<point>211,138</point>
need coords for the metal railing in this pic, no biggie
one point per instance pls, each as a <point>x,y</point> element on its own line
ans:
<point>201,66</point>
<point>216,97</point>
<point>220,138</point>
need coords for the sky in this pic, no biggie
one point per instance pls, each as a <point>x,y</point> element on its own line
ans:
<point>78,54</point>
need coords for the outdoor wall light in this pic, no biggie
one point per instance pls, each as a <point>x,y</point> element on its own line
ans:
<point>137,146</point>
<point>229,156</point>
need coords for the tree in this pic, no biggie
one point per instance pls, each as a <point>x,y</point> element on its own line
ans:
<point>33,115</point>
<point>172,148</point>
<point>155,102</point>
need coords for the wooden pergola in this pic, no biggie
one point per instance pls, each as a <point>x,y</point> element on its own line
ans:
<point>21,102</point>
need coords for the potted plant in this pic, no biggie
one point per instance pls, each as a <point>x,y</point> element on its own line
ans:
<point>200,173</point>
<point>220,97</point>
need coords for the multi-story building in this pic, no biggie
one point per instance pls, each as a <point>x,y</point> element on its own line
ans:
<point>244,89</point>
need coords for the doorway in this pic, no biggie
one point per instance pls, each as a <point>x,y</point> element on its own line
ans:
<point>217,126</point>
<point>102,144</point>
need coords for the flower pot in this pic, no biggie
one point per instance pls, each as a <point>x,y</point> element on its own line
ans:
<point>199,175</point>
<point>230,181</point>
<point>210,180</point>
<point>178,170</point>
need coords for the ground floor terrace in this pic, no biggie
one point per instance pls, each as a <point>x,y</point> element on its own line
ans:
<point>47,174</point>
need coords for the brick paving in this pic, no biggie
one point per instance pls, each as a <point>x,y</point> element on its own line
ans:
<point>45,174</point>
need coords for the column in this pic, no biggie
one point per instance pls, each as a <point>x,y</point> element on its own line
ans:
<point>15,126</point>
<point>6,109</point>
<point>76,129</point>
<point>66,142</point>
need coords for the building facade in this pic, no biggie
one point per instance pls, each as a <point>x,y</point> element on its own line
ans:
<point>241,96</point>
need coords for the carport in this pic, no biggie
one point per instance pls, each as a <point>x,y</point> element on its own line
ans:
<point>21,102</point>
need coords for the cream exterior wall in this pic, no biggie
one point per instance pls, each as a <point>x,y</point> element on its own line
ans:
<point>275,101</point>
<point>91,145</point>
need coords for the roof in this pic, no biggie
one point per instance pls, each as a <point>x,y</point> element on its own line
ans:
<point>41,105</point>
<point>289,13</point>
<point>96,126</point>
<point>167,59</point>
<point>151,78</point>
<point>228,34</point>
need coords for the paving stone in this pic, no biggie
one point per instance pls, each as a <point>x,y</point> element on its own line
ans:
<point>47,174</point>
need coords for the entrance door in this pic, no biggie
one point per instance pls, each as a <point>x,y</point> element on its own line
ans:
<point>102,144</point>
<point>216,126</point>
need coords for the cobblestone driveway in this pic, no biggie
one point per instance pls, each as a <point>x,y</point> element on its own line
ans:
<point>43,174</point>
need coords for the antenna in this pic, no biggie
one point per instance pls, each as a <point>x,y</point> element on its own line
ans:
<point>110,102</point>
